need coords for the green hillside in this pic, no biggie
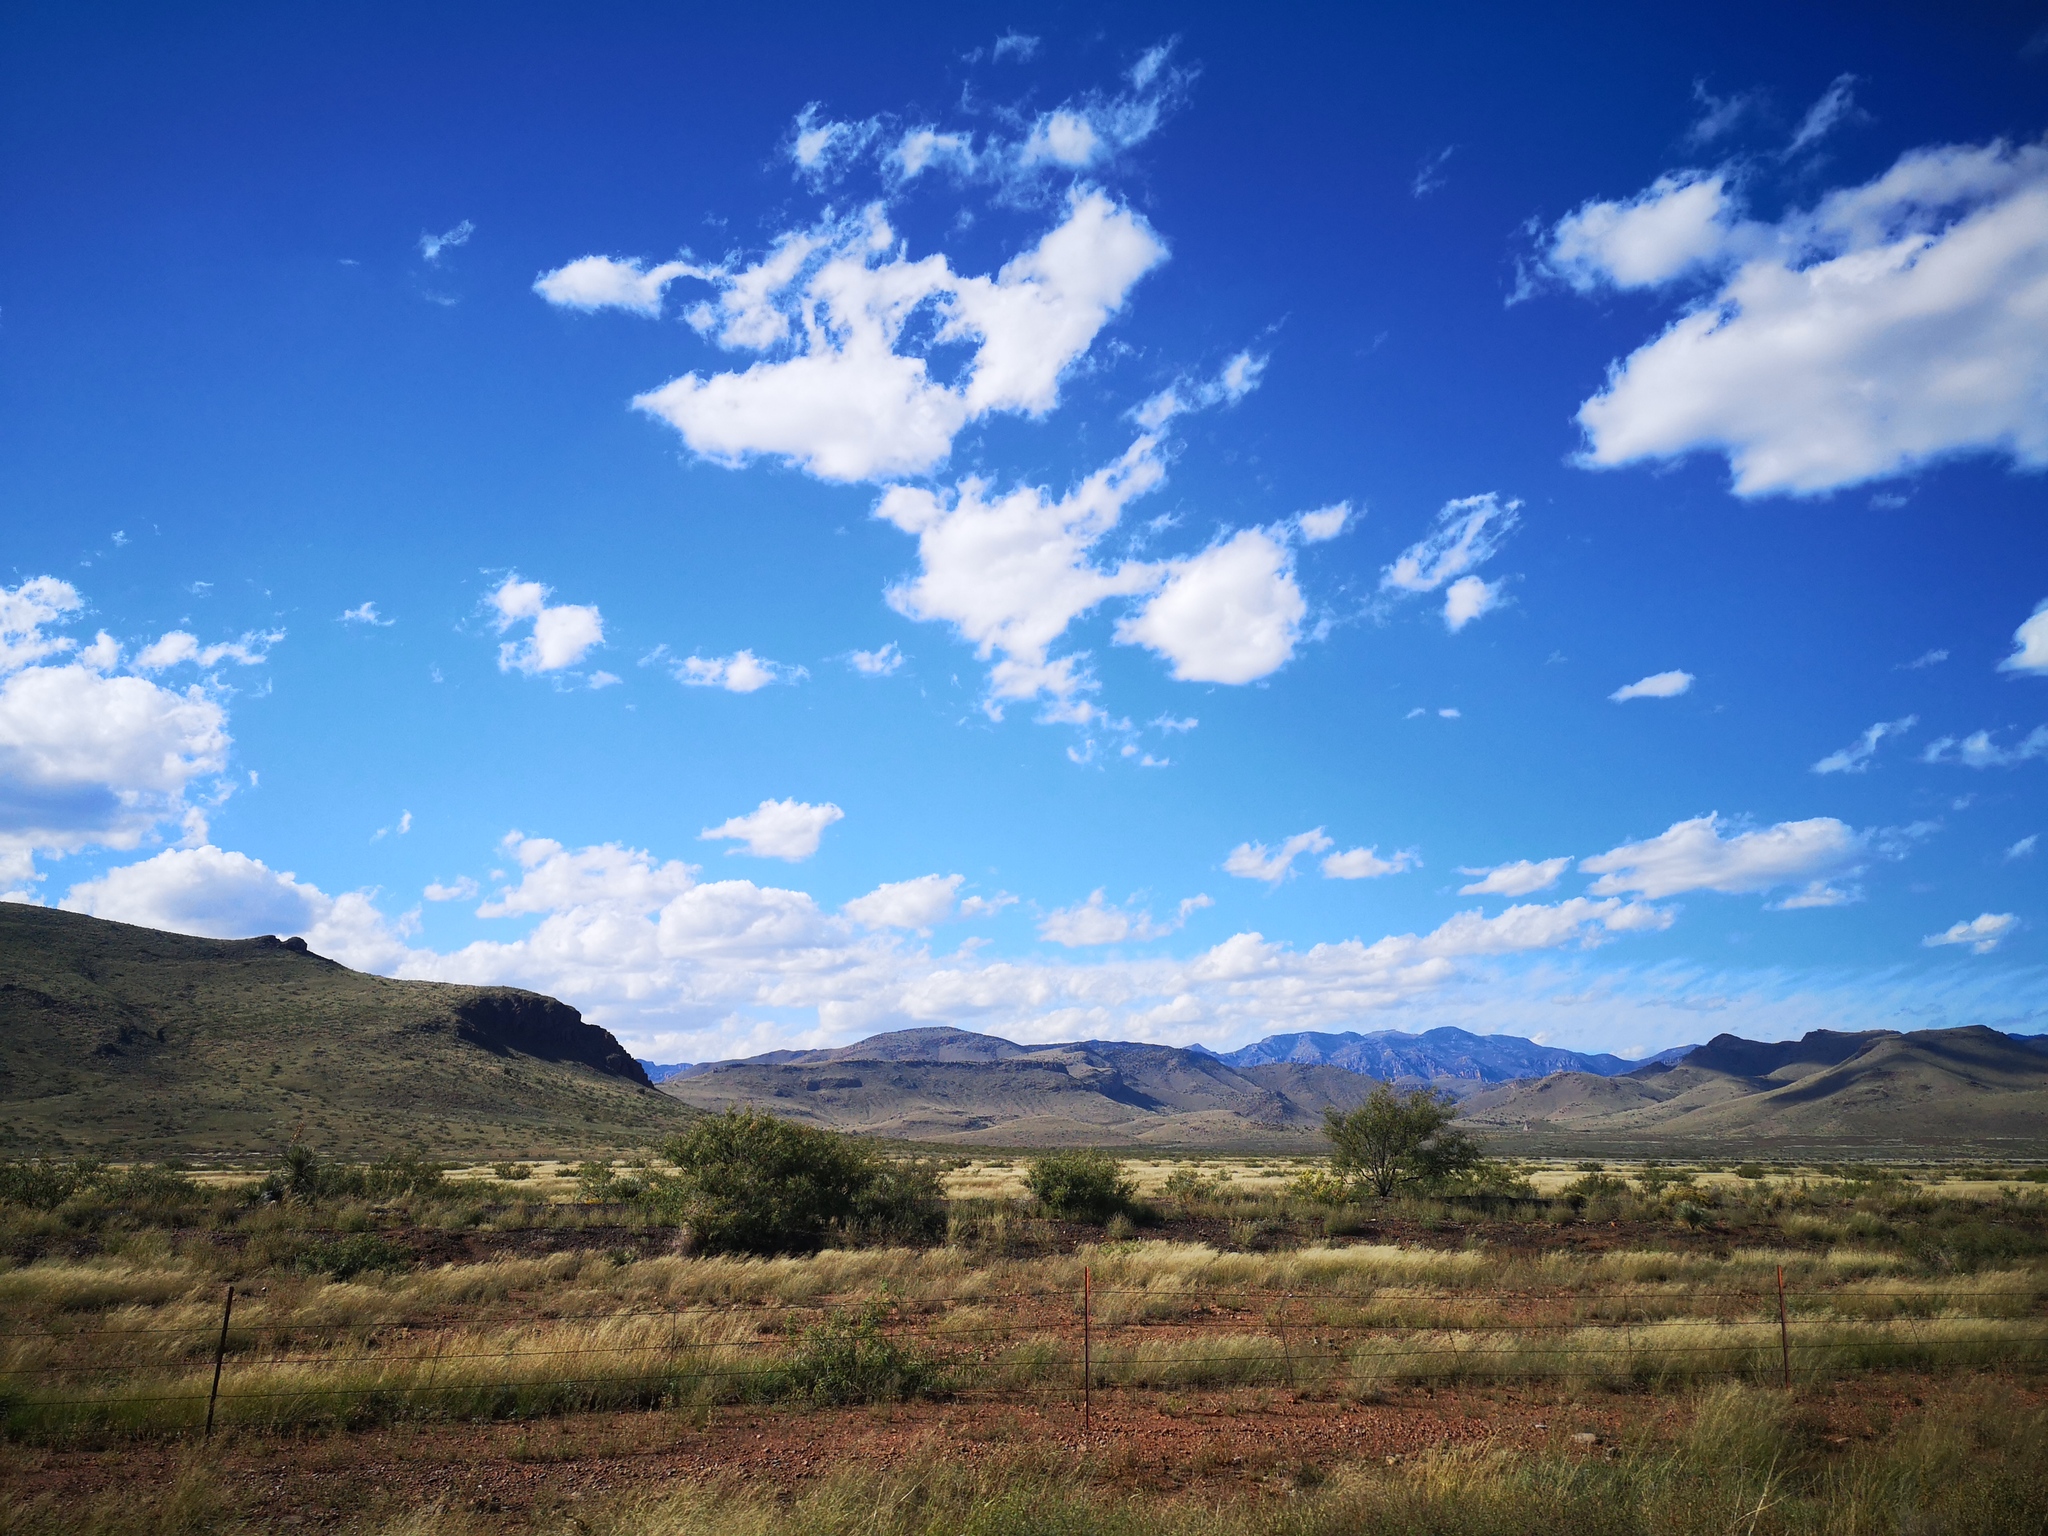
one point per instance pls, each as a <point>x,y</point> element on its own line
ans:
<point>123,1041</point>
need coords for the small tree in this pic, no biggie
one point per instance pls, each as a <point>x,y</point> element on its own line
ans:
<point>1394,1139</point>
<point>1080,1186</point>
<point>750,1183</point>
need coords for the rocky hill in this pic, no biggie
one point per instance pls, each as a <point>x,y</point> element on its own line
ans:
<point>1970,1089</point>
<point>129,1042</point>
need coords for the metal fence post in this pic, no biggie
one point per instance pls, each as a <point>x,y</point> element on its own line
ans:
<point>220,1351</point>
<point>1087,1356</point>
<point>1784,1332</point>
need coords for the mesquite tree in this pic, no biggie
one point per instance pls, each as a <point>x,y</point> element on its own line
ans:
<point>1394,1139</point>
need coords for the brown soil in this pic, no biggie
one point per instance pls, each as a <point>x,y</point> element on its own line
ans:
<point>1246,1440</point>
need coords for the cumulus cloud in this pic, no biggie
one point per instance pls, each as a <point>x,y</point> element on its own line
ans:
<point>1230,614</point>
<point>562,634</point>
<point>1701,855</point>
<point>1658,685</point>
<point>855,398</point>
<point>1978,750</point>
<point>218,894</point>
<point>1366,864</point>
<point>920,904</point>
<point>1983,933</point>
<point>1468,532</point>
<point>1855,758</point>
<point>2030,645</point>
<point>741,672</point>
<point>607,282</point>
<point>178,647</point>
<point>1890,325</point>
<point>710,968</point>
<point>1011,572</point>
<point>1324,523</point>
<point>1094,922</point>
<point>1469,598</point>
<point>879,663</point>
<point>778,829</point>
<point>1255,861</point>
<point>462,888</point>
<point>89,759</point>
<point>1521,878</point>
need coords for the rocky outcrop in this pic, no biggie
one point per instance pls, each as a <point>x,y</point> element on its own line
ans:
<point>501,1019</point>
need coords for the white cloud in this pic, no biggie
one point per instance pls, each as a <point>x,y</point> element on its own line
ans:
<point>879,663</point>
<point>1254,861</point>
<point>1836,105</point>
<point>460,889</point>
<point>1681,222</point>
<point>1230,614</point>
<point>606,282</point>
<point>1237,378</point>
<point>1429,175</point>
<point>366,614</point>
<point>562,634</point>
<point>850,404</point>
<point>1468,532</point>
<point>1521,878</point>
<point>1658,685</point>
<point>1015,45</point>
<point>87,759</point>
<point>1890,325</point>
<point>1469,598</point>
<point>1172,726</point>
<point>1366,864</point>
<point>223,895</point>
<point>1982,933</point>
<point>1450,714</point>
<point>177,647</point>
<point>1095,922</point>
<point>1978,750</point>
<point>1719,114</point>
<point>2030,645</point>
<point>1855,758</point>
<point>1011,573</point>
<point>24,610</point>
<point>741,672</point>
<point>779,829</point>
<point>1924,660</point>
<point>1695,855</point>
<point>2024,848</point>
<point>431,246</point>
<point>1324,523</point>
<point>920,904</point>
<point>703,969</point>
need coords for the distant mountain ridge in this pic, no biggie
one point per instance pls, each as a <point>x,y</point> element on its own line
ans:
<point>1390,1055</point>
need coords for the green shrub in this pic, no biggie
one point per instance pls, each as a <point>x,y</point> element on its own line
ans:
<point>43,1185</point>
<point>1189,1186</point>
<point>750,1183</point>
<point>511,1172</point>
<point>1319,1187</point>
<point>347,1257</point>
<point>1083,1185</point>
<point>847,1358</point>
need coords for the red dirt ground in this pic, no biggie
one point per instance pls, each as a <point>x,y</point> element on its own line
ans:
<point>1152,1440</point>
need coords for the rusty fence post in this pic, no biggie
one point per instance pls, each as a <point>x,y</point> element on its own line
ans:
<point>220,1351</point>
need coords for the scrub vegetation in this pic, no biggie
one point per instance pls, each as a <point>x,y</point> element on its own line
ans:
<point>753,1267</point>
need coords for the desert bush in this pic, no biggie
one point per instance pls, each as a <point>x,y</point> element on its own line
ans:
<point>1187,1187</point>
<point>1082,1185</point>
<point>747,1182</point>
<point>846,1357</point>
<point>303,1177</point>
<point>511,1172</point>
<point>1320,1187</point>
<point>347,1257</point>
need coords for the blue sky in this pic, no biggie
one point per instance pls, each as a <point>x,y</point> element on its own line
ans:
<point>1177,527</point>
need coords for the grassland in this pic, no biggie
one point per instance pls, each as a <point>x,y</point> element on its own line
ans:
<point>1598,1350</point>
